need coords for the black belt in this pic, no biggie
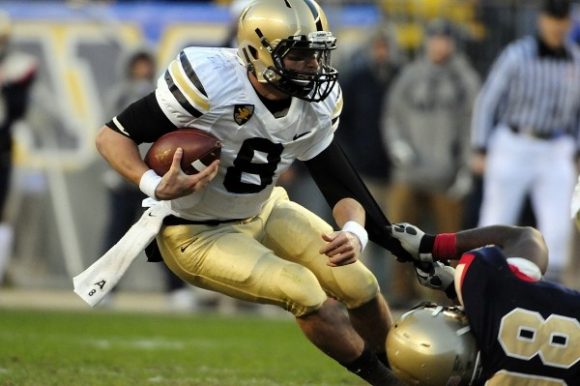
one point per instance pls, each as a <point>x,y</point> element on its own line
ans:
<point>174,220</point>
<point>538,135</point>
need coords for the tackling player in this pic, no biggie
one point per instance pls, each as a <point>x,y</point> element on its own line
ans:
<point>527,329</point>
<point>270,102</point>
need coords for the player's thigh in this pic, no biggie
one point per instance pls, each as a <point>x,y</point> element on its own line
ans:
<point>237,265</point>
<point>509,174</point>
<point>294,233</point>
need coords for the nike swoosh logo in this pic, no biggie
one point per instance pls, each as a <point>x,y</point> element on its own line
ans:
<point>300,135</point>
<point>184,247</point>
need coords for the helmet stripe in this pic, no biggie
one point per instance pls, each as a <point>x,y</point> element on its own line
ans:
<point>315,15</point>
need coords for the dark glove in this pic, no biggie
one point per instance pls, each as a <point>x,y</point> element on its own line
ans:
<point>437,275</point>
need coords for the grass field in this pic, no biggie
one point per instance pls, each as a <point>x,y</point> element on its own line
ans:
<point>61,348</point>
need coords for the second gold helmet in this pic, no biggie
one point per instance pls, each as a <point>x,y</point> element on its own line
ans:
<point>432,345</point>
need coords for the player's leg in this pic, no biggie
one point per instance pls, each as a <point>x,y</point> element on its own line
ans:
<point>551,196</point>
<point>448,212</point>
<point>294,233</point>
<point>229,260</point>
<point>508,176</point>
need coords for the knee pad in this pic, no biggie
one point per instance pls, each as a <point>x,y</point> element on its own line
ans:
<point>356,285</point>
<point>303,293</point>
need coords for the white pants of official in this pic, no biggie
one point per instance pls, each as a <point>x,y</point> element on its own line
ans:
<point>518,164</point>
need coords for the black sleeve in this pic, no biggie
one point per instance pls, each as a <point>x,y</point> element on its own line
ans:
<point>337,179</point>
<point>143,121</point>
<point>17,95</point>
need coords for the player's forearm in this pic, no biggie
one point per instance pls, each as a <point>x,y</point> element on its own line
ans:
<point>499,235</point>
<point>121,153</point>
<point>526,242</point>
<point>348,209</point>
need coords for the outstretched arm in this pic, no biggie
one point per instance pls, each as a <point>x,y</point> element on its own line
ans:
<point>337,179</point>
<point>525,242</point>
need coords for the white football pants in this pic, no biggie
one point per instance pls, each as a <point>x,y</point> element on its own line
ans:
<point>518,164</point>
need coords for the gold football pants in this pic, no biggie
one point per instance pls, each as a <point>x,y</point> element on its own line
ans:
<point>272,258</point>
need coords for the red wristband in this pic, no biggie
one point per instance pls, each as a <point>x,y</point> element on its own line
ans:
<point>444,247</point>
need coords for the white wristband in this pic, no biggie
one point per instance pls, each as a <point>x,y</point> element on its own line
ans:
<point>149,182</point>
<point>359,231</point>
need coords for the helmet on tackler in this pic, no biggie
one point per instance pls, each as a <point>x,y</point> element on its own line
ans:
<point>271,30</point>
<point>433,345</point>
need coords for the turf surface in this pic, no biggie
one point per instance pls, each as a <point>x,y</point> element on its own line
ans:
<point>40,348</point>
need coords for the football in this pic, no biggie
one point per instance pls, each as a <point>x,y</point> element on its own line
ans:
<point>199,150</point>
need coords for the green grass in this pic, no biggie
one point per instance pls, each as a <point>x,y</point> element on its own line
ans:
<point>40,348</point>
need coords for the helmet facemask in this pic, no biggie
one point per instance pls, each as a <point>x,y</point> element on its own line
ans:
<point>312,86</point>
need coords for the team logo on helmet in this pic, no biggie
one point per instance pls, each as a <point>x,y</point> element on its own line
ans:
<point>243,113</point>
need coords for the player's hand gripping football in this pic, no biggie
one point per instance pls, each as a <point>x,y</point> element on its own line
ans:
<point>342,248</point>
<point>175,183</point>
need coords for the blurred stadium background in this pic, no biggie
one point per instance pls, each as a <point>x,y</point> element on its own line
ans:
<point>57,204</point>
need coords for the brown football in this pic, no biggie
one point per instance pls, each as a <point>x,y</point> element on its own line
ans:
<point>199,150</point>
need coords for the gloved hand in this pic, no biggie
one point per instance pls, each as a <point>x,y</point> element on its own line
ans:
<point>418,243</point>
<point>437,276</point>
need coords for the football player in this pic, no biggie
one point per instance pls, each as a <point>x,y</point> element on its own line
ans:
<point>17,74</point>
<point>273,100</point>
<point>527,329</point>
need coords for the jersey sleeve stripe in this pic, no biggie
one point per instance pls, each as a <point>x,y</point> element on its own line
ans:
<point>120,127</point>
<point>195,97</point>
<point>178,95</point>
<point>191,73</point>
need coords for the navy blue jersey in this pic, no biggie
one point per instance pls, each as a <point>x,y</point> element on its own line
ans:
<point>528,331</point>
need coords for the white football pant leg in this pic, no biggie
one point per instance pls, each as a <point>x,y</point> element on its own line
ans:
<point>551,195</point>
<point>508,175</point>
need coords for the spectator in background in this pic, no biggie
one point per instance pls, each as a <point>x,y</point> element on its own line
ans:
<point>138,72</point>
<point>17,73</point>
<point>365,86</point>
<point>427,132</point>
<point>525,132</point>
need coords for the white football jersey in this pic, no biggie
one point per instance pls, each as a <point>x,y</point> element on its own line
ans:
<point>209,89</point>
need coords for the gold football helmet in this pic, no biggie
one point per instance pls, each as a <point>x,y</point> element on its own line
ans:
<point>432,345</point>
<point>271,30</point>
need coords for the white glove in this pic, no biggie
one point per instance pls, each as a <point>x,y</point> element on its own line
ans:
<point>411,238</point>
<point>440,277</point>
